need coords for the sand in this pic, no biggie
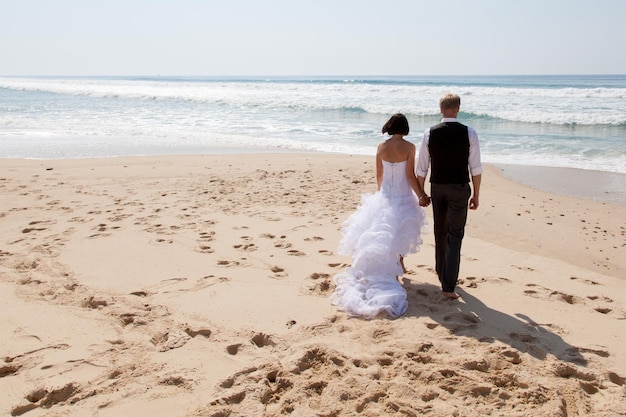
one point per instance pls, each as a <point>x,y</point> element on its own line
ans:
<point>199,286</point>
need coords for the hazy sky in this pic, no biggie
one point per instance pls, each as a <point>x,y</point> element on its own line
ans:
<point>314,37</point>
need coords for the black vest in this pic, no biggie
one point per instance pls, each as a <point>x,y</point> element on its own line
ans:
<point>449,153</point>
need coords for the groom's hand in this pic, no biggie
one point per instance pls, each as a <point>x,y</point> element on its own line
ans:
<point>473,204</point>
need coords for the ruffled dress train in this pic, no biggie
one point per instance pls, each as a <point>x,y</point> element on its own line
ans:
<point>385,226</point>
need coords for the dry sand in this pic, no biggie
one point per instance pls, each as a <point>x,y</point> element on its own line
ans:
<point>199,286</point>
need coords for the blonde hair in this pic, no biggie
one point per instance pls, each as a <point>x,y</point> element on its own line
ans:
<point>449,102</point>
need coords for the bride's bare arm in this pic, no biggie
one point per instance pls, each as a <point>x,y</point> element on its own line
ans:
<point>417,187</point>
<point>379,170</point>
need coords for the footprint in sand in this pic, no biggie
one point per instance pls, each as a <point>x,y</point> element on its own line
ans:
<point>531,293</point>
<point>170,340</point>
<point>272,218</point>
<point>207,236</point>
<point>80,220</point>
<point>51,203</point>
<point>463,318</point>
<point>42,398</point>
<point>96,235</point>
<point>176,381</point>
<point>162,241</point>
<point>126,319</point>
<point>201,283</point>
<point>175,280</point>
<point>597,297</point>
<point>616,379</point>
<point>33,229</point>
<point>46,222</point>
<point>381,333</point>
<point>94,303</point>
<point>524,268</point>
<point>568,298</point>
<point>103,230</point>
<point>227,264</point>
<point>428,268</point>
<point>263,340</point>
<point>119,217</point>
<point>234,349</point>
<point>473,281</point>
<point>599,352</point>
<point>278,272</point>
<point>434,301</point>
<point>538,291</point>
<point>7,370</point>
<point>164,283</point>
<point>565,370</point>
<point>523,337</point>
<point>282,244</point>
<point>248,247</point>
<point>206,333</point>
<point>471,284</point>
<point>586,281</point>
<point>205,249</point>
<point>603,310</point>
<point>159,229</point>
<point>322,284</point>
<point>208,281</point>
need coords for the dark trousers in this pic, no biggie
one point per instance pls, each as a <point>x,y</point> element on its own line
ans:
<point>450,204</point>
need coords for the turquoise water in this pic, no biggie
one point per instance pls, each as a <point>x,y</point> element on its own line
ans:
<point>564,121</point>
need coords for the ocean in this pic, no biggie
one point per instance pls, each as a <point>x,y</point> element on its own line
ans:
<point>575,121</point>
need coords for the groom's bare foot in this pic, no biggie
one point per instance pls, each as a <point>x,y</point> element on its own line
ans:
<point>452,295</point>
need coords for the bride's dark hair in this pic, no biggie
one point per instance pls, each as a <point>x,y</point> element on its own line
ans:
<point>397,124</point>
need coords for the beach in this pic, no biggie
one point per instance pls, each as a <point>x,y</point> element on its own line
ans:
<point>199,286</point>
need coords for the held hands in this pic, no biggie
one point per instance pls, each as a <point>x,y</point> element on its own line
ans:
<point>424,200</point>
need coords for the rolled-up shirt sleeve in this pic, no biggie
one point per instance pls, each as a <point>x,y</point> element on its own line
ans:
<point>475,165</point>
<point>423,157</point>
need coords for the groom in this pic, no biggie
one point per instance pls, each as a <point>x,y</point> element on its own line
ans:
<point>452,150</point>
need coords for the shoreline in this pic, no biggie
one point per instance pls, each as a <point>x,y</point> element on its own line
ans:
<point>596,185</point>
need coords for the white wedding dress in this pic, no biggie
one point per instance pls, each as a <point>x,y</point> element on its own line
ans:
<point>384,227</point>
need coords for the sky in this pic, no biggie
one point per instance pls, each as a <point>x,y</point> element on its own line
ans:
<point>313,37</point>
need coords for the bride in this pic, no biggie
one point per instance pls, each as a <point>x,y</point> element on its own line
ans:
<point>383,230</point>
